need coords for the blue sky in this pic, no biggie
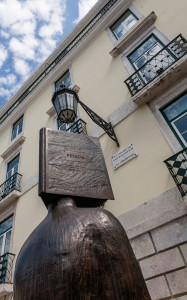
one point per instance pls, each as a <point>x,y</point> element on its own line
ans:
<point>29,32</point>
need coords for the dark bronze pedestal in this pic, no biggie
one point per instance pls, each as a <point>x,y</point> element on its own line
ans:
<point>78,254</point>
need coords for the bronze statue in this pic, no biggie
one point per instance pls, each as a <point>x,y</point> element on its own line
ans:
<point>77,253</point>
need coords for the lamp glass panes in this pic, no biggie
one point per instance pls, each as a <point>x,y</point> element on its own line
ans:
<point>65,102</point>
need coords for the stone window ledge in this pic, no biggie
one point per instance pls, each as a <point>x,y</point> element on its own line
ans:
<point>159,84</point>
<point>6,289</point>
<point>18,142</point>
<point>52,111</point>
<point>141,26</point>
<point>8,200</point>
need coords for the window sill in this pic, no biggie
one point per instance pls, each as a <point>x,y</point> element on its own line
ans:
<point>9,199</point>
<point>162,82</point>
<point>6,289</point>
<point>51,112</point>
<point>15,144</point>
<point>133,34</point>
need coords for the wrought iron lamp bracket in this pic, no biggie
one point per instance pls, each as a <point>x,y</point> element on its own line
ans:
<point>107,127</point>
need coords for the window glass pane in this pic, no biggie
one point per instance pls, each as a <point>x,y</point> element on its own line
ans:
<point>6,225</point>
<point>124,23</point>
<point>184,135</point>
<point>13,163</point>
<point>65,79</point>
<point>181,124</point>
<point>142,49</point>
<point>1,244</point>
<point>7,242</point>
<point>130,21</point>
<point>17,128</point>
<point>176,108</point>
<point>20,126</point>
<point>154,50</point>
<point>140,62</point>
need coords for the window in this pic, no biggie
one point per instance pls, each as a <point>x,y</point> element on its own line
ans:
<point>12,166</point>
<point>145,60</point>
<point>65,78</point>
<point>123,24</point>
<point>17,128</point>
<point>12,178</point>
<point>176,116</point>
<point>67,127</point>
<point>5,235</point>
<point>5,259</point>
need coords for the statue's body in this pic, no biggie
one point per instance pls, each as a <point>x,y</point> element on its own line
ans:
<point>78,254</point>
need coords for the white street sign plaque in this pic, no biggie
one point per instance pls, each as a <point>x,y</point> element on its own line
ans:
<point>124,156</point>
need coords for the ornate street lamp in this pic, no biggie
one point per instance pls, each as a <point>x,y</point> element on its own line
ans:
<point>65,102</point>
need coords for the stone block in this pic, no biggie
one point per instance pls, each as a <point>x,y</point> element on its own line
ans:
<point>154,213</point>
<point>178,281</point>
<point>171,234</point>
<point>161,263</point>
<point>142,246</point>
<point>181,298</point>
<point>158,288</point>
<point>184,251</point>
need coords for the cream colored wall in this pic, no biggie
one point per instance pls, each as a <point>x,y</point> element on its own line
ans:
<point>171,15</point>
<point>100,78</point>
<point>145,176</point>
<point>30,211</point>
<point>4,142</point>
<point>35,119</point>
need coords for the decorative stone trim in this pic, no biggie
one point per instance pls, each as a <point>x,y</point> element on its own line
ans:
<point>51,111</point>
<point>9,199</point>
<point>6,289</point>
<point>133,34</point>
<point>158,211</point>
<point>18,142</point>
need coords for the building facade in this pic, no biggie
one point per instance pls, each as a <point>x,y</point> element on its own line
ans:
<point>127,61</point>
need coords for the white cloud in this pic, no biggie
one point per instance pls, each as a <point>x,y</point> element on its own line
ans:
<point>24,49</point>
<point>3,55</point>
<point>22,67</point>
<point>8,80</point>
<point>23,27</point>
<point>84,7</point>
<point>5,34</point>
<point>13,10</point>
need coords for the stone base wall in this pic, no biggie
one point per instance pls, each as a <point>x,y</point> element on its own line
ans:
<point>158,234</point>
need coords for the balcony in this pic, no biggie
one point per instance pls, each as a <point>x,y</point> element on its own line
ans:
<point>6,266</point>
<point>157,65</point>
<point>78,127</point>
<point>10,185</point>
<point>177,166</point>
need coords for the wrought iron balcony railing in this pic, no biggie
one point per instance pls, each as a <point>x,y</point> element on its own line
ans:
<point>155,66</point>
<point>6,264</point>
<point>78,127</point>
<point>177,166</point>
<point>11,184</point>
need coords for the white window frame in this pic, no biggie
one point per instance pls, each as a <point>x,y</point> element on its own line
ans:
<point>21,115</point>
<point>156,105</point>
<point>4,237</point>
<point>135,11</point>
<point>5,214</point>
<point>176,129</point>
<point>10,158</point>
<point>151,30</point>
